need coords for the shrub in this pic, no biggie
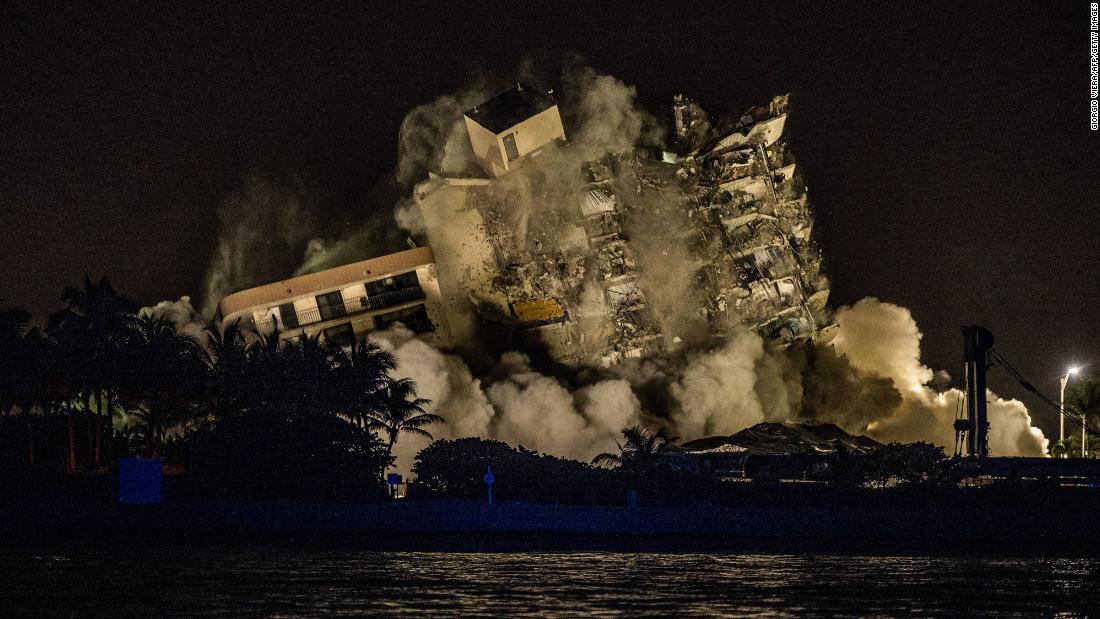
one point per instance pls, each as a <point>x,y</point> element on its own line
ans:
<point>456,469</point>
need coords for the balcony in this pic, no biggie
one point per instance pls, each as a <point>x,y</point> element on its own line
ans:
<point>396,297</point>
<point>349,307</point>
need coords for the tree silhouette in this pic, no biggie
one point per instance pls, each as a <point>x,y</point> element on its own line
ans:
<point>362,377</point>
<point>95,329</point>
<point>400,411</point>
<point>21,373</point>
<point>14,324</point>
<point>166,377</point>
<point>640,450</point>
<point>217,403</point>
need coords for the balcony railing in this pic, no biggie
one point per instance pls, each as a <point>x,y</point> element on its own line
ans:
<point>349,307</point>
<point>396,297</point>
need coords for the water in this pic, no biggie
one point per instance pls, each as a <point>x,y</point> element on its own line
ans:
<point>292,580</point>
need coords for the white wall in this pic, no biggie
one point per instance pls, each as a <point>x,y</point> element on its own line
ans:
<point>487,148</point>
<point>536,132</point>
<point>363,323</point>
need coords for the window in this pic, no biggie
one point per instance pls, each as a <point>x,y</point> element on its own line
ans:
<point>288,317</point>
<point>510,147</point>
<point>396,290</point>
<point>340,335</point>
<point>414,318</point>
<point>393,284</point>
<point>331,305</point>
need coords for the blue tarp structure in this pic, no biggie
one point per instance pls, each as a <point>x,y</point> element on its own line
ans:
<point>139,480</point>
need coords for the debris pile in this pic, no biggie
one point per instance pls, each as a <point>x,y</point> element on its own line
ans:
<point>636,253</point>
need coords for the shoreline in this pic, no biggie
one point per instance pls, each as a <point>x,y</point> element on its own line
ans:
<point>459,526</point>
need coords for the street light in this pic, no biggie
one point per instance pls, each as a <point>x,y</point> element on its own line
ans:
<point>1062,411</point>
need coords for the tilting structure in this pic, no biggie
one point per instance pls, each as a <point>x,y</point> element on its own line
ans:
<point>567,267</point>
<point>511,126</point>
<point>344,304</point>
<point>764,269</point>
<point>588,259</point>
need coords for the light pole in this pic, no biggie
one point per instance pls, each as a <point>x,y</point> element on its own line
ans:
<point>1062,411</point>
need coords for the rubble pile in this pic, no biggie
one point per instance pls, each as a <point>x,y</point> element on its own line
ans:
<point>637,253</point>
<point>762,267</point>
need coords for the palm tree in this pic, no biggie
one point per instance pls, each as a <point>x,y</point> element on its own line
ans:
<point>401,411</point>
<point>362,374</point>
<point>95,330</point>
<point>639,450</point>
<point>65,388</point>
<point>226,356</point>
<point>166,377</point>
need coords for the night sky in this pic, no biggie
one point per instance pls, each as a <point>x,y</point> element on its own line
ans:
<point>946,149</point>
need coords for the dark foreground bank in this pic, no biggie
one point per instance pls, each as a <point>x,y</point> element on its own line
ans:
<point>1001,521</point>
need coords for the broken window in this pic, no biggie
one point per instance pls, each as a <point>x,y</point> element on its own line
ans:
<point>393,283</point>
<point>414,318</point>
<point>394,290</point>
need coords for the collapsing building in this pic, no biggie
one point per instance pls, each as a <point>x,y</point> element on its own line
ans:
<point>587,258</point>
<point>558,251</point>
<point>767,271</point>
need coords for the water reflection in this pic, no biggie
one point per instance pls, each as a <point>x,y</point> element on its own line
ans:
<point>292,581</point>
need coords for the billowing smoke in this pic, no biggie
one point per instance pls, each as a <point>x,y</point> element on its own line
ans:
<point>263,229</point>
<point>604,115</point>
<point>869,380</point>
<point>374,237</point>
<point>716,393</point>
<point>432,139</point>
<point>433,136</point>
<point>515,403</point>
<point>540,412</point>
<point>882,339</point>
<point>182,314</point>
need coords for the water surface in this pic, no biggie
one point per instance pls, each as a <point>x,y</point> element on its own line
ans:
<point>292,580</point>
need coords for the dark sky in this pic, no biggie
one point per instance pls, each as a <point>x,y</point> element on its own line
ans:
<point>946,148</point>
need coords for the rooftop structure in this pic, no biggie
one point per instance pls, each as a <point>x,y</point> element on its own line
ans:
<point>342,305</point>
<point>769,452</point>
<point>512,125</point>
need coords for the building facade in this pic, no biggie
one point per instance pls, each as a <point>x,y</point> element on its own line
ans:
<point>344,304</point>
<point>512,125</point>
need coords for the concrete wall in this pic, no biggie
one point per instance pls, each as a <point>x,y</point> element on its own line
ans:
<point>457,235</point>
<point>488,148</point>
<point>535,132</point>
<point>352,293</point>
